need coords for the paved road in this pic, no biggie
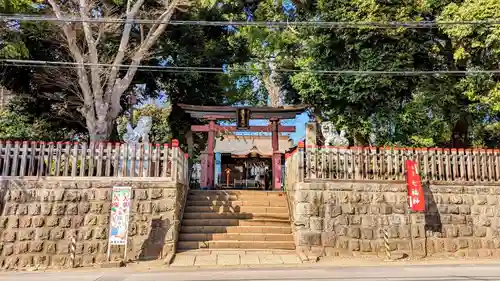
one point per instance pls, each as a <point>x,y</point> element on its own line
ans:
<point>379,273</point>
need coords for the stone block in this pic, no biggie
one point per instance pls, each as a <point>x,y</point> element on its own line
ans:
<point>25,261</point>
<point>365,246</point>
<point>475,244</point>
<point>10,209</point>
<point>21,247</point>
<point>480,231</point>
<point>72,209</point>
<point>354,245</point>
<point>465,209</point>
<point>488,244</point>
<point>328,239</point>
<point>301,222</point>
<point>354,232</point>
<point>140,194</point>
<point>465,230</point>
<point>38,221</point>
<point>348,209</point>
<point>368,221</point>
<point>103,220</point>
<point>316,224</point>
<point>355,220</point>
<point>87,260</point>
<point>9,235</point>
<point>399,209</point>
<point>59,261</point>
<point>22,210</point>
<point>96,208</point>
<point>481,199</point>
<point>35,209</point>
<point>8,249</point>
<point>43,234</point>
<point>59,209</point>
<point>101,233</point>
<point>342,243</point>
<point>83,208</point>
<point>341,230</point>
<point>362,210</point>
<point>144,208</point>
<point>36,246</point>
<point>65,222</point>
<point>156,193</point>
<point>305,238</point>
<point>47,209</point>
<point>462,243</point>
<point>404,231</point>
<point>366,233</point>
<point>26,235</point>
<point>341,220</point>
<point>41,261</point>
<point>306,209</point>
<point>57,234</point>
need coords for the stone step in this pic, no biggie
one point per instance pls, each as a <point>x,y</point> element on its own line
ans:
<point>243,209</point>
<point>279,245</point>
<point>235,237</point>
<point>239,203</point>
<point>237,192</point>
<point>229,215</point>
<point>237,229</point>
<point>233,198</point>
<point>235,222</point>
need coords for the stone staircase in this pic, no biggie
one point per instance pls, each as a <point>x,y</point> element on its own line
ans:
<point>236,219</point>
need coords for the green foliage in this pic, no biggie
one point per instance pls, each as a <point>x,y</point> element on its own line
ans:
<point>14,126</point>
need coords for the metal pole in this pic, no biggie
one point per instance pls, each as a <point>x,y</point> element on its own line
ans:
<point>411,232</point>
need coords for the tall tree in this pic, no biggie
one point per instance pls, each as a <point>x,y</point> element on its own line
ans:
<point>101,88</point>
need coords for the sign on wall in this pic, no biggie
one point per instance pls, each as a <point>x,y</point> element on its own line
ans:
<point>120,212</point>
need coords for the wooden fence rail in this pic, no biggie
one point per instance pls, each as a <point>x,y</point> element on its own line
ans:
<point>93,159</point>
<point>388,163</point>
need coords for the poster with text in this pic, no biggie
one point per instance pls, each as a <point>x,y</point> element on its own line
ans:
<point>416,199</point>
<point>120,211</point>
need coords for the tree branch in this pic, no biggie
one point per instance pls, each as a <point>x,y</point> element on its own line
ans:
<point>153,34</point>
<point>93,56</point>
<point>122,48</point>
<point>83,80</point>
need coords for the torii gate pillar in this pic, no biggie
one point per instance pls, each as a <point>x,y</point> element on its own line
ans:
<point>276,165</point>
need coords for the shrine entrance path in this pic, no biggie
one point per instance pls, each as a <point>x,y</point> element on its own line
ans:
<point>235,258</point>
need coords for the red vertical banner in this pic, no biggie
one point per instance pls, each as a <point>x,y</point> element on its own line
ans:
<point>416,198</point>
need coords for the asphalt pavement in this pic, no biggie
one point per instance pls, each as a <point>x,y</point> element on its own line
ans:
<point>457,272</point>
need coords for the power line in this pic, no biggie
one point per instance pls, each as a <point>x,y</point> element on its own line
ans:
<point>319,24</point>
<point>220,70</point>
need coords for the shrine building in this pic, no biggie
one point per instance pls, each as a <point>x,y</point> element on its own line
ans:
<point>246,161</point>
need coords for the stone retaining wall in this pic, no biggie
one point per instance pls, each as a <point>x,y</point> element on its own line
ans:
<point>339,218</point>
<point>38,219</point>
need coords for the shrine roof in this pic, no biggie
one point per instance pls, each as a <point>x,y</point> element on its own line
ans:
<point>244,145</point>
<point>229,112</point>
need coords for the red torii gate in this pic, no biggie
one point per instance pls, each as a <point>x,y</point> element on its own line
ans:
<point>273,114</point>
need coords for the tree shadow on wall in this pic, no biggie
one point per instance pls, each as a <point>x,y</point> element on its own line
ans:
<point>152,248</point>
<point>432,217</point>
<point>3,193</point>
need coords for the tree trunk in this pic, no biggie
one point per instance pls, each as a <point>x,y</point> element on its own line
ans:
<point>460,133</point>
<point>99,129</point>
